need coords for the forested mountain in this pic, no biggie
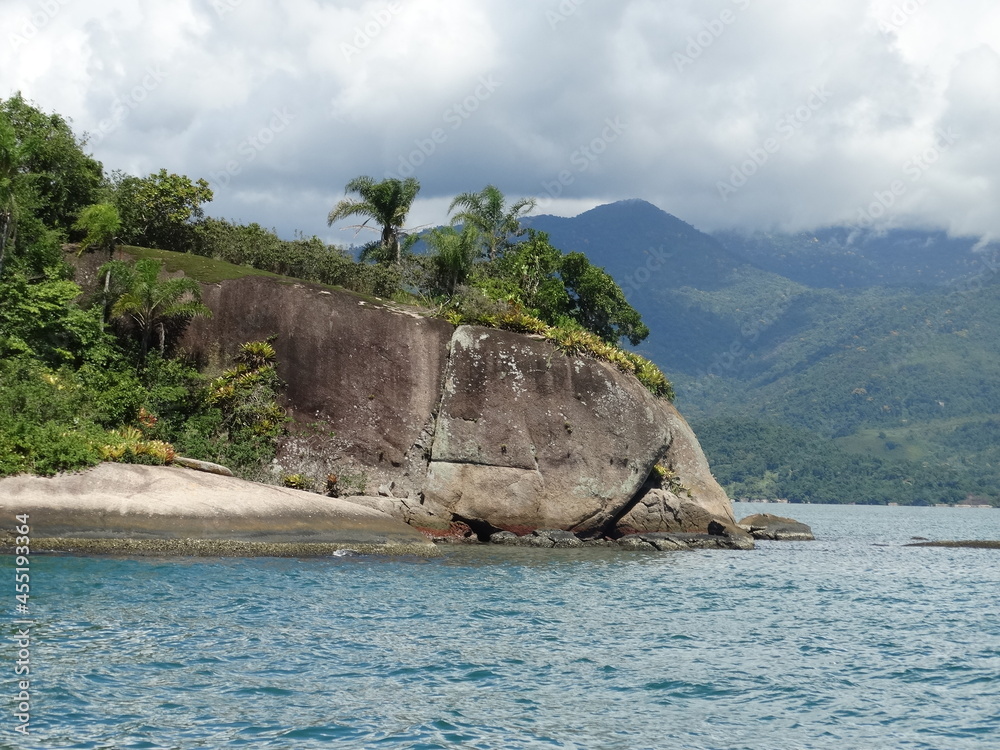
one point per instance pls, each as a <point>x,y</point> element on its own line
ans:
<point>849,257</point>
<point>825,367</point>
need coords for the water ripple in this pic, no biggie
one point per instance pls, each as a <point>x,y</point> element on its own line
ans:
<point>833,644</point>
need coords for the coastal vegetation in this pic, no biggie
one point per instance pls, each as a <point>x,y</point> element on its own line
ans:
<point>86,377</point>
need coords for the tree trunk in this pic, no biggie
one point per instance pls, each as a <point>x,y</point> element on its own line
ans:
<point>6,231</point>
<point>390,241</point>
<point>107,300</point>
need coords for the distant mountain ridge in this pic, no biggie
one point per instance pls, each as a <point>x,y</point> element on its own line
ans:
<point>641,235</point>
<point>847,257</point>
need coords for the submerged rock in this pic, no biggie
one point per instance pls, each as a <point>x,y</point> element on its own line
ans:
<point>720,536</point>
<point>766,526</point>
<point>968,543</point>
<point>666,541</point>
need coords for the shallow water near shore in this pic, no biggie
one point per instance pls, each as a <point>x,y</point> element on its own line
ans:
<point>851,641</point>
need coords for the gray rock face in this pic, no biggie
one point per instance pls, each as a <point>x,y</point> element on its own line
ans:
<point>663,510</point>
<point>527,437</point>
<point>368,375</point>
<point>120,507</point>
<point>766,526</point>
<point>478,429</point>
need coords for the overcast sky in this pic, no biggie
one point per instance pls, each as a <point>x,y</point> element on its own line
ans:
<point>759,114</point>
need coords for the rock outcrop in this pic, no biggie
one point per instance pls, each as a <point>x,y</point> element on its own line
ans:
<point>467,430</point>
<point>527,437</point>
<point>158,509</point>
<point>779,528</point>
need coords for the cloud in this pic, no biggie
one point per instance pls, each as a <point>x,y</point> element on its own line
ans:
<point>808,112</point>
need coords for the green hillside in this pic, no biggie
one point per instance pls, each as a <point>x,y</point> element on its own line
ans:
<point>874,392</point>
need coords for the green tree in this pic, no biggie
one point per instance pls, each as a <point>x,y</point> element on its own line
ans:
<point>8,171</point>
<point>101,223</point>
<point>53,165</point>
<point>45,178</point>
<point>387,203</point>
<point>598,303</point>
<point>486,211</point>
<point>134,292</point>
<point>560,288</point>
<point>454,254</point>
<point>40,319</point>
<point>530,271</point>
<point>160,210</point>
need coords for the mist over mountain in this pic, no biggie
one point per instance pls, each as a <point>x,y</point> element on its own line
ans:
<point>849,257</point>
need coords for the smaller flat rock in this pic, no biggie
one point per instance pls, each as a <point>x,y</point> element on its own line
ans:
<point>559,537</point>
<point>508,538</point>
<point>635,542</point>
<point>206,466</point>
<point>778,528</point>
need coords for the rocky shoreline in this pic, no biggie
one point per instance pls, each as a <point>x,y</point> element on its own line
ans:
<point>720,534</point>
<point>126,509</point>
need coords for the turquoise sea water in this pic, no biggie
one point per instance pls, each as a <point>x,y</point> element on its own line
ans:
<point>852,641</point>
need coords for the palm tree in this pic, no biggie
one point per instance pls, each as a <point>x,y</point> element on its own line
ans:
<point>485,211</point>
<point>102,223</point>
<point>135,293</point>
<point>387,203</point>
<point>454,255</point>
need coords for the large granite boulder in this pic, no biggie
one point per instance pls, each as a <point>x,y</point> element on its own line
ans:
<point>529,438</point>
<point>159,509</point>
<point>477,430</point>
